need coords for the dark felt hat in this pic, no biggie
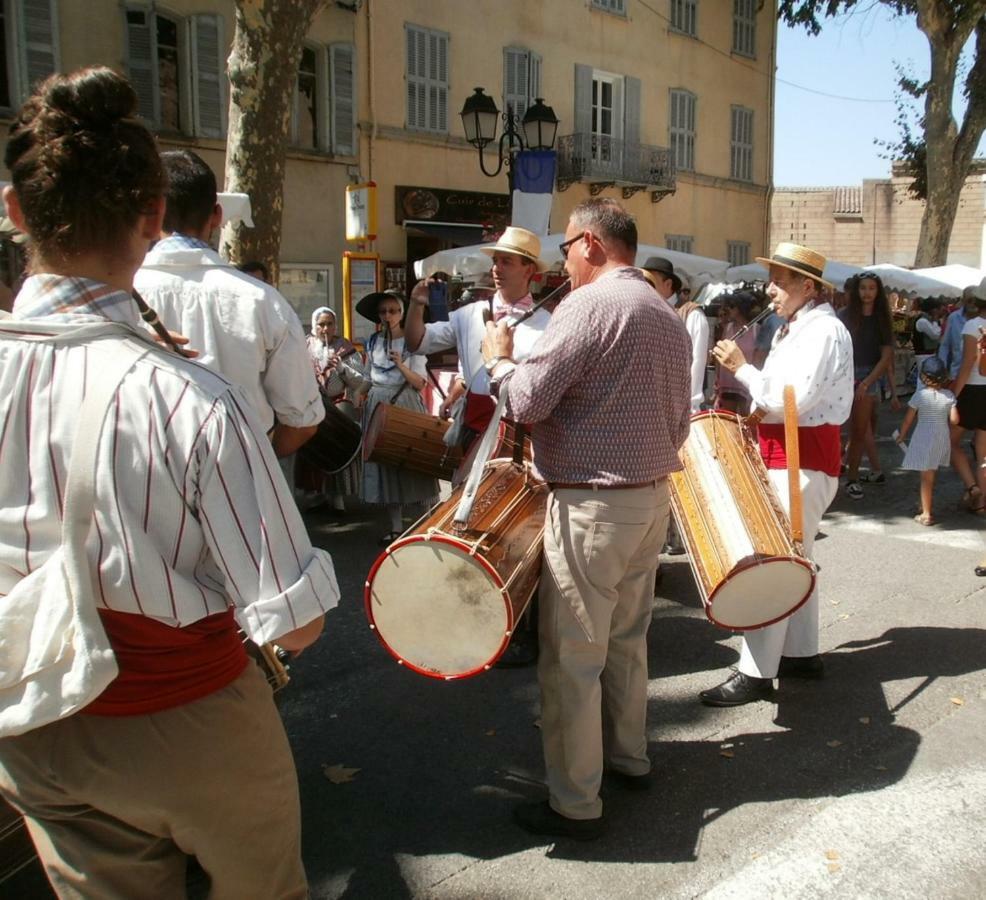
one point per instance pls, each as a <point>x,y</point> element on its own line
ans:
<point>367,306</point>
<point>663,267</point>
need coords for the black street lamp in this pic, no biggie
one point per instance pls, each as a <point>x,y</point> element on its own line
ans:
<point>536,131</point>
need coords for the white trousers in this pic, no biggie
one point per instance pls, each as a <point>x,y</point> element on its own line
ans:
<point>596,599</point>
<point>797,635</point>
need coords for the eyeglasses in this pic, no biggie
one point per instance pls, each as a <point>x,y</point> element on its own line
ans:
<point>565,246</point>
<point>389,311</point>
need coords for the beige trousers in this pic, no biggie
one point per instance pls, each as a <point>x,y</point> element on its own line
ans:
<point>596,596</point>
<point>797,635</point>
<point>114,804</point>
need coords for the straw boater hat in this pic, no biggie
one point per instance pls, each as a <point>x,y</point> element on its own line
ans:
<point>798,259</point>
<point>520,242</point>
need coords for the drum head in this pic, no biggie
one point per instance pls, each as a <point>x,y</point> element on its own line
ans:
<point>760,593</point>
<point>437,609</point>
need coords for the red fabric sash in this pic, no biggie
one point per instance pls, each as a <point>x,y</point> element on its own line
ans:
<point>479,411</point>
<point>820,447</point>
<point>162,667</point>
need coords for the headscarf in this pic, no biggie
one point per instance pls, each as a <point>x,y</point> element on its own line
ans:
<point>321,351</point>
<point>321,311</point>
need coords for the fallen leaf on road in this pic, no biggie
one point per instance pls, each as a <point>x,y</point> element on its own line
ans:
<point>831,854</point>
<point>865,720</point>
<point>727,753</point>
<point>844,616</point>
<point>834,867</point>
<point>880,768</point>
<point>491,732</point>
<point>833,743</point>
<point>338,774</point>
<point>958,701</point>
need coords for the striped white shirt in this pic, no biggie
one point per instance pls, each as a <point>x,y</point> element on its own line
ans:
<point>192,514</point>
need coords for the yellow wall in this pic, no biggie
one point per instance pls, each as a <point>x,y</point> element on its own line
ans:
<point>708,204</point>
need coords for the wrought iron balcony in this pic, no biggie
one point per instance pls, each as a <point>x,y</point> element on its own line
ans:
<point>602,162</point>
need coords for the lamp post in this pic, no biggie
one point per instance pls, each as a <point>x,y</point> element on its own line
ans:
<point>536,131</point>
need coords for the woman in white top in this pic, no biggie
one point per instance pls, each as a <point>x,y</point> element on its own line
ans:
<point>970,408</point>
<point>396,376</point>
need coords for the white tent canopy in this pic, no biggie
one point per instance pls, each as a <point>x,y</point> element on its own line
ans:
<point>468,261</point>
<point>913,283</point>
<point>958,276</point>
<point>835,272</point>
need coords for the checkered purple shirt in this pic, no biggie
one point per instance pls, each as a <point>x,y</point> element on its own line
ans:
<point>607,388</point>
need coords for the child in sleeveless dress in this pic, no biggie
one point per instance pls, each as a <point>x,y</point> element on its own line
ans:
<point>930,446</point>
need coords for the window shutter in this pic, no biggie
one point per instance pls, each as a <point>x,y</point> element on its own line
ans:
<point>441,50</point>
<point>415,78</point>
<point>583,99</point>
<point>631,115</point>
<point>618,132</point>
<point>515,81</point>
<point>342,73</point>
<point>208,75</point>
<point>39,40</point>
<point>140,60</point>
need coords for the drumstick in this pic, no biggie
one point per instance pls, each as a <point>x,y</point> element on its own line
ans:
<point>513,323</point>
<point>792,450</point>
<point>151,318</point>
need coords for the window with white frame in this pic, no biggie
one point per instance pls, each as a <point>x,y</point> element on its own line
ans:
<point>427,79</point>
<point>177,67</point>
<point>682,243</point>
<point>521,80</point>
<point>29,47</point>
<point>681,129</point>
<point>323,109</point>
<point>738,252</point>
<point>619,7</point>
<point>684,16</point>
<point>745,27</point>
<point>741,144</point>
<point>607,114</point>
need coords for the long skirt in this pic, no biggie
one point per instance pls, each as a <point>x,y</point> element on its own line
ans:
<point>386,484</point>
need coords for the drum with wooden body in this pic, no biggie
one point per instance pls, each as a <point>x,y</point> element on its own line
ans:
<point>337,442</point>
<point>445,600</point>
<point>509,434</point>
<point>748,570</point>
<point>407,439</point>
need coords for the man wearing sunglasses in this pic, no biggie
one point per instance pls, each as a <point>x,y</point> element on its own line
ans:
<point>606,393</point>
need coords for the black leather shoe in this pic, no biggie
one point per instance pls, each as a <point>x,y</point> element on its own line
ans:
<point>737,690</point>
<point>801,667</point>
<point>981,571</point>
<point>540,818</point>
<point>637,783</point>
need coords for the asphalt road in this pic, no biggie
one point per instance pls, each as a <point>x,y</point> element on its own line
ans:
<point>871,783</point>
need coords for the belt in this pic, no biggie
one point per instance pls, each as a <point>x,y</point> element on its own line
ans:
<point>563,486</point>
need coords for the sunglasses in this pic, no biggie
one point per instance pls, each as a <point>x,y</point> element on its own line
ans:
<point>565,246</point>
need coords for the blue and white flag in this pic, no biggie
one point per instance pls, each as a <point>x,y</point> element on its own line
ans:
<point>534,180</point>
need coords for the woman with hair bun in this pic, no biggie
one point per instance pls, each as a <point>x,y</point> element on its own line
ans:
<point>174,749</point>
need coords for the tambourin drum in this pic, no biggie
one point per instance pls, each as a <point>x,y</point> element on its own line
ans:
<point>336,443</point>
<point>507,438</point>
<point>445,601</point>
<point>407,439</point>
<point>749,571</point>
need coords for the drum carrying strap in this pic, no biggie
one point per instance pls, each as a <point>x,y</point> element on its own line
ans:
<point>793,464</point>
<point>486,446</point>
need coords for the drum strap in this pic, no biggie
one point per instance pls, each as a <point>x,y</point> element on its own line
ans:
<point>486,446</point>
<point>793,464</point>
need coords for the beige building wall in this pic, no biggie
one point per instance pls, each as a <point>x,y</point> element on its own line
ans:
<point>708,205</point>
<point>878,221</point>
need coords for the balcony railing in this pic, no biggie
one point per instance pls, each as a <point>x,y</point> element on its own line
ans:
<point>602,162</point>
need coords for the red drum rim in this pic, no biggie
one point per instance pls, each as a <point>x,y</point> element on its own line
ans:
<point>752,565</point>
<point>494,576</point>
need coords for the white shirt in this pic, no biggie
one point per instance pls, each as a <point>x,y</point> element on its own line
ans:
<point>697,326</point>
<point>971,329</point>
<point>928,328</point>
<point>816,358</point>
<point>242,327</point>
<point>465,330</point>
<point>192,514</point>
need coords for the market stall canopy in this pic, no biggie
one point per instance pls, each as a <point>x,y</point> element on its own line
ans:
<point>956,275</point>
<point>914,284</point>
<point>467,261</point>
<point>835,272</point>
<point>236,207</point>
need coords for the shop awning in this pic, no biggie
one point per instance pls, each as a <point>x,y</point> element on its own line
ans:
<point>458,233</point>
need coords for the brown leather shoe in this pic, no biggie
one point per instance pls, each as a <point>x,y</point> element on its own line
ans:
<point>540,818</point>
